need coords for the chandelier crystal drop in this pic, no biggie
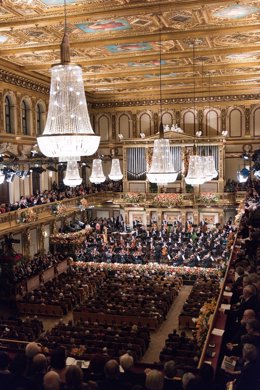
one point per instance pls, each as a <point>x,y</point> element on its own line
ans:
<point>162,169</point>
<point>97,174</point>
<point>115,173</point>
<point>213,171</point>
<point>207,169</point>
<point>195,174</point>
<point>72,177</point>
<point>2,177</point>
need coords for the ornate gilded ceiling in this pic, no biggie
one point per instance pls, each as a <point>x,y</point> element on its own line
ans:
<point>118,44</point>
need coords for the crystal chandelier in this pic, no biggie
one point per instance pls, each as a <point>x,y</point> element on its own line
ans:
<point>195,174</point>
<point>206,168</point>
<point>209,170</point>
<point>97,174</point>
<point>115,173</point>
<point>68,131</point>
<point>213,171</point>
<point>72,177</point>
<point>162,169</point>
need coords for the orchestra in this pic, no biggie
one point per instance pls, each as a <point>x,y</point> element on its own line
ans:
<point>172,244</point>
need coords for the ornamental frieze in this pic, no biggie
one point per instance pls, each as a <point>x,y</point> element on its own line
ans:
<point>187,100</point>
<point>19,81</point>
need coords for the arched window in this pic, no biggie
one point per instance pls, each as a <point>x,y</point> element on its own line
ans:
<point>25,118</point>
<point>9,115</point>
<point>39,119</point>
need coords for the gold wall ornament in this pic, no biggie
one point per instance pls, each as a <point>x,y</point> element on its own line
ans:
<point>247,121</point>
<point>24,82</point>
<point>186,159</point>
<point>149,156</point>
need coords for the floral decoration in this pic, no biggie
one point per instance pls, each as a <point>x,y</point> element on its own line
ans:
<point>134,197</point>
<point>207,197</point>
<point>168,200</point>
<point>59,209</point>
<point>71,238</point>
<point>240,213</point>
<point>182,271</point>
<point>78,351</point>
<point>202,323</point>
<point>28,215</point>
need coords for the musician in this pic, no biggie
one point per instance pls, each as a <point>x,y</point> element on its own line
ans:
<point>95,255</point>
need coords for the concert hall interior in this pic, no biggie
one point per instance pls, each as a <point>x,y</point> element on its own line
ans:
<point>129,195</point>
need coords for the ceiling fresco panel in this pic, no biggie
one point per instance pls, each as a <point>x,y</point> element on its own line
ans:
<point>122,42</point>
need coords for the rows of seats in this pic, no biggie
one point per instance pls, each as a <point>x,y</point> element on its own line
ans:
<point>60,295</point>
<point>182,349</point>
<point>85,339</point>
<point>132,294</point>
<point>17,329</point>
<point>202,291</point>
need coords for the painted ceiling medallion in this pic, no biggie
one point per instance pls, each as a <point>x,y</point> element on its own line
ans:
<point>104,25</point>
<point>3,38</point>
<point>128,47</point>
<point>241,56</point>
<point>236,11</point>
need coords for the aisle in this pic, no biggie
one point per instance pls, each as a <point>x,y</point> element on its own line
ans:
<point>158,338</point>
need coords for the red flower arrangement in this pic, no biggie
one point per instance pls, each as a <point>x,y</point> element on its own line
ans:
<point>168,200</point>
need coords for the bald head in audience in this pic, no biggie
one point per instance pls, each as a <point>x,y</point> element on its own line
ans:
<point>248,314</point>
<point>51,381</point>
<point>40,363</point>
<point>111,369</point>
<point>32,349</point>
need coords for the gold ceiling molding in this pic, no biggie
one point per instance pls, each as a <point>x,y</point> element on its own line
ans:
<point>181,100</point>
<point>19,81</point>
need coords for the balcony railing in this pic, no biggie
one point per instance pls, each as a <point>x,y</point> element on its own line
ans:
<point>42,213</point>
<point>45,212</point>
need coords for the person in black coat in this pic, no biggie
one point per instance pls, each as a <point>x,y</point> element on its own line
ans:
<point>250,375</point>
<point>129,376</point>
<point>169,382</point>
<point>112,379</point>
<point>5,375</point>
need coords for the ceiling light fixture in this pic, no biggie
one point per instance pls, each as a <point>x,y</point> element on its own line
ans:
<point>162,169</point>
<point>68,131</point>
<point>72,177</point>
<point>115,173</point>
<point>97,174</point>
<point>195,175</point>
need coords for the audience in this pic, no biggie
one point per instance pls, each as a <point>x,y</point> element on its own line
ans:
<point>5,375</point>
<point>60,193</point>
<point>154,380</point>
<point>51,381</point>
